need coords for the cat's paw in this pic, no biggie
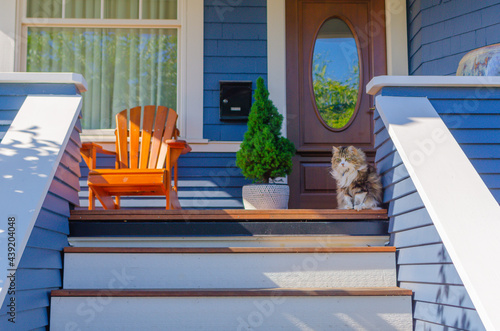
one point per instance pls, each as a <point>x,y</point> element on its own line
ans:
<point>347,203</point>
<point>359,207</point>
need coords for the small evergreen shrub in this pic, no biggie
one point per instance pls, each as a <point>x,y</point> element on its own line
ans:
<point>264,154</point>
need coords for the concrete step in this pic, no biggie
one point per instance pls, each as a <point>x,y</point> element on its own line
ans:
<point>237,267</point>
<point>230,309</point>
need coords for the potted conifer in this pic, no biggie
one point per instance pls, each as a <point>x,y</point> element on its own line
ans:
<point>264,154</point>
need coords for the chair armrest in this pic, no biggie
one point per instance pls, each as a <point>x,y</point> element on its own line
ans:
<point>178,144</point>
<point>89,151</point>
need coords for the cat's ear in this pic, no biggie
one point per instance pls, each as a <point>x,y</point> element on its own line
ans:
<point>334,150</point>
<point>352,149</point>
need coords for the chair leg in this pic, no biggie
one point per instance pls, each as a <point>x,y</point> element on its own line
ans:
<point>167,193</point>
<point>91,199</point>
<point>174,200</point>
<point>106,201</point>
<point>167,198</point>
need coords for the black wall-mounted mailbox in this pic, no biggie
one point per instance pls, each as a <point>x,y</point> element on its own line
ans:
<point>235,100</point>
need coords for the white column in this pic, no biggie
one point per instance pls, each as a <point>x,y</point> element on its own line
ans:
<point>276,56</point>
<point>396,35</point>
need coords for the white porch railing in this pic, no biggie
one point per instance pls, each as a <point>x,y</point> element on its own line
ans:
<point>30,153</point>
<point>464,212</point>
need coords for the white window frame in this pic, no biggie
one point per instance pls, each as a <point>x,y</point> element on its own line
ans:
<point>189,24</point>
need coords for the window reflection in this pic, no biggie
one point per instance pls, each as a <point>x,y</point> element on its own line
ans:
<point>335,71</point>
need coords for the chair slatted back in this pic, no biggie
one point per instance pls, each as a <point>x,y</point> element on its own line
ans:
<point>144,148</point>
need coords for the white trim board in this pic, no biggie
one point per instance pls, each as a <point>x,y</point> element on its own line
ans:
<point>276,57</point>
<point>379,82</point>
<point>45,77</point>
<point>396,37</point>
<point>467,223</point>
<point>30,153</point>
<point>191,64</point>
<point>8,35</point>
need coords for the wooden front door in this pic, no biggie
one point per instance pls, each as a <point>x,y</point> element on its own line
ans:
<point>334,48</point>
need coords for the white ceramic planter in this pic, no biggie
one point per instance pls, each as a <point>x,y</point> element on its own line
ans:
<point>266,196</point>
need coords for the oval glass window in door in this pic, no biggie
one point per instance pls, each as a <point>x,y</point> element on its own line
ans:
<point>335,73</point>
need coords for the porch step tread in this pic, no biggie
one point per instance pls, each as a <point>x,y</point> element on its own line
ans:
<point>223,250</point>
<point>282,292</point>
<point>227,214</point>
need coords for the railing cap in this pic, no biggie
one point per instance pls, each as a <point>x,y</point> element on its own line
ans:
<point>379,82</point>
<point>44,77</point>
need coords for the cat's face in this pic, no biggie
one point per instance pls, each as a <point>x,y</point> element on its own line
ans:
<point>347,158</point>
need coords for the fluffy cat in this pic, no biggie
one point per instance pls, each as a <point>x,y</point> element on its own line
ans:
<point>358,184</point>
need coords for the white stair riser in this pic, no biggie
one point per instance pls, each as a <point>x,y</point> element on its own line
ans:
<point>231,313</point>
<point>250,270</point>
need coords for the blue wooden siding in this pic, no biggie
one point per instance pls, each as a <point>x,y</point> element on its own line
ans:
<point>440,33</point>
<point>9,106</point>
<point>473,117</point>
<point>40,269</point>
<point>12,97</point>
<point>206,181</point>
<point>235,49</point>
<point>424,266</point>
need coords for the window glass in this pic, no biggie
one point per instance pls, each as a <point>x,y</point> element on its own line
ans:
<point>335,71</point>
<point>121,9</point>
<point>159,9</point>
<point>112,9</point>
<point>82,9</point>
<point>123,67</point>
<point>44,9</point>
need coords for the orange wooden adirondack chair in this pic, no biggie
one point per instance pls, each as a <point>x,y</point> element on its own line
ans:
<point>144,158</point>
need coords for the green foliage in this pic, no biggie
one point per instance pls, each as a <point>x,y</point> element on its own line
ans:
<point>335,100</point>
<point>264,153</point>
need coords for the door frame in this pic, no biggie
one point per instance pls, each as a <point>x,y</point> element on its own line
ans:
<point>324,197</point>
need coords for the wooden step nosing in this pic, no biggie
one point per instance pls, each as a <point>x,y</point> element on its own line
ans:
<point>227,250</point>
<point>274,292</point>
<point>227,214</point>
<point>226,211</point>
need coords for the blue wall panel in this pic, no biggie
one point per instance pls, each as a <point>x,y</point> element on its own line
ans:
<point>235,49</point>
<point>206,181</point>
<point>440,33</point>
<point>9,106</point>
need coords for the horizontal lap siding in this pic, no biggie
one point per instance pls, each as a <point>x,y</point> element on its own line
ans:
<point>476,127</point>
<point>235,49</point>
<point>440,33</point>
<point>440,299</point>
<point>40,269</point>
<point>9,106</point>
<point>206,181</point>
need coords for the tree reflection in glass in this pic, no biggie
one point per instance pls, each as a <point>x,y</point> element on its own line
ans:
<point>335,71</point>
